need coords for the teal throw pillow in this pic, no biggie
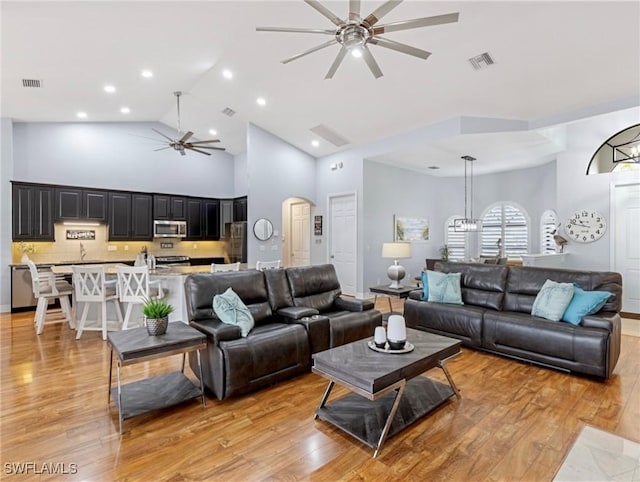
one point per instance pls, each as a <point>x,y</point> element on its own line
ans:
<point>230,309</point>
<point>444,287</point>
<point>425,287</point>
<point>584,303</point>
<point>552,300</point>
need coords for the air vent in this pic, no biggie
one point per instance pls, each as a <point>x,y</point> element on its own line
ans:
<point>481,61</point>
<point>228,111</point>
<point>433,168</point>
<point>329,135</point>
<point>32,83</point>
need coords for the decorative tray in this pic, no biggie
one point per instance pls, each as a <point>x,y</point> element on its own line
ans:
<point>407,348</point>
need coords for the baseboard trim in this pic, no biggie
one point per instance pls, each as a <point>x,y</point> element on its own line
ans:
<point>633,316</point>
<point>5,308</point>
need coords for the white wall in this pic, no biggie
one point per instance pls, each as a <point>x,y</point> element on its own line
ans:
<point>240,175</point>
<point>6,173</point>
<point>276,171</point>
<point>116,156</point>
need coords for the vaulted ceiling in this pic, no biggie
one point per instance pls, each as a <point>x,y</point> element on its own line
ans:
<point>551,59</point>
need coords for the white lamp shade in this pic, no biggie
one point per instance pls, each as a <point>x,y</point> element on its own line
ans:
<point>396,250</point>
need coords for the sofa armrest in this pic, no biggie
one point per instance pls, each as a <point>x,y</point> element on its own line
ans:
<point>216,330</point>
<point>417,294</point>
<point>319,331</point>
<point>294,313</point>
<point>605,321</point>
<point>352,304</point>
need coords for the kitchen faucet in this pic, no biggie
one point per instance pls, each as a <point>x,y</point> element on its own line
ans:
<point>83,252</point>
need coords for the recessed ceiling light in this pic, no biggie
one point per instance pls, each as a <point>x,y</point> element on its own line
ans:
<point>315,143</point>
<point>227,74</point>
<point>147,74</point>
<point>261,101</point>
<point>110,89</point>
<point>213,132</point>
<point>81,115</point>
<point>125,110</point>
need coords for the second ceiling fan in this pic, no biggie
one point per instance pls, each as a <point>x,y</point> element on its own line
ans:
<point>355,33</point>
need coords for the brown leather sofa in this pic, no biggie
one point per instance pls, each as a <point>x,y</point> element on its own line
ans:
<point>495,317</point>
<point>297,311</point>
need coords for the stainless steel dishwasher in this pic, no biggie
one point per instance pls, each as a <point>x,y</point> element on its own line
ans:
<point>21,290</point>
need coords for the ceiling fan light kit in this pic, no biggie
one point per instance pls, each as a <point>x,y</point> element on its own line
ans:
<point>355,33</point>
<point>182,145</point>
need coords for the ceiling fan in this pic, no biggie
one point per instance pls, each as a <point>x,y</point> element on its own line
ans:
<point>182,144</point>
<point>356,33</point>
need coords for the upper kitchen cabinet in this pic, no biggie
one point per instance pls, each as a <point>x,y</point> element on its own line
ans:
<point>169,208</point>
<point>240,209</point>
<point>194,219</point>
<point>81,205</point>
<point>226,215</point>
<point>130,216</point>
<point>32,212</point>
<point>211,218</point>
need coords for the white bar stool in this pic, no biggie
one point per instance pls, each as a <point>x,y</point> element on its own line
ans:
<point>91,287</point>
<point>46,286</point>
<point>221,268</point>
<point>134,288</point>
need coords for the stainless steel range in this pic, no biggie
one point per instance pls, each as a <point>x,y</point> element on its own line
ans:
<point>173,261</point>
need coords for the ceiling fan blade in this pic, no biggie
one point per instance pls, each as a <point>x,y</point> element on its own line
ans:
<point>163,148</point>
<point>354,9</point>
<point>185,137</point>
<point>163,135</point>
<point>416,23</point>
<point>203,142</point>
<point>381,11</point>
<point>314,49</point>
<point>295,30</point>
<point>336,63</point>
<point>198,150</point>
<point>399,47</point>
<point>189,146</point>
<point>371,62</point>
<point>324,11</point>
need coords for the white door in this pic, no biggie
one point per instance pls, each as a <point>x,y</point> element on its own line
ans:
<point>627,249</point>
<point>343,230</point>
<point>300,234</point>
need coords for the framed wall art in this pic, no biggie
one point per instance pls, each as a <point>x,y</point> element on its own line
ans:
<point>410,228</point>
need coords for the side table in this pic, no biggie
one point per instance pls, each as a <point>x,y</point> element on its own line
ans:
<point>389,292</point>
<point>136,346</point>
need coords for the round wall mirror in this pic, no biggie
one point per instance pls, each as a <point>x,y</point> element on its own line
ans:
<point>263,229</point>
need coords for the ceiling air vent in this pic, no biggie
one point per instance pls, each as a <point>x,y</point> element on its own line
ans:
<point>329,135</point>
<point>433,168</point>
<point>481,61</point>
<point>228,111</point>
<point>31,83</point>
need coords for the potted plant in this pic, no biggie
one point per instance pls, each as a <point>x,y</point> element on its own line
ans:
<point>444,253</point>
<point>156,315</point>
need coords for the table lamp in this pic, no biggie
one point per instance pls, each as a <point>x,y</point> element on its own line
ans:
<point>396,251</point>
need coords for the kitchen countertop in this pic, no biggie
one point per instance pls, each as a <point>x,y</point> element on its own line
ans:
<point>99,261</point>
<point>111,268</point>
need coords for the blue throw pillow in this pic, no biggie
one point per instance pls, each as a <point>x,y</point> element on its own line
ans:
<point>552,300</point>
<point>444,287</point>
<point>425,287</point>
<point>230,309</point>
<point>584,303</point>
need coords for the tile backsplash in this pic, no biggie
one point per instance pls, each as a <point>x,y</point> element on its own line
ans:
<point>100,249</point>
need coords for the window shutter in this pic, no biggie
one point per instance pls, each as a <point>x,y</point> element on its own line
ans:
<point>506,222</point>
<point>455,241</point>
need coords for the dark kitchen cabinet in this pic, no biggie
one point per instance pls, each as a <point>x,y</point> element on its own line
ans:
<point>32,212</point>
<point>194,219</point>
<point>240,209</point>
<point>169,208</point>
<point>211,219</point>
<point>130,216</point>
<point>226,215</point>
<point>81,205</point>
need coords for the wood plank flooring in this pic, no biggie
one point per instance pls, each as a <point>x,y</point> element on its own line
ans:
<point>514,421</point>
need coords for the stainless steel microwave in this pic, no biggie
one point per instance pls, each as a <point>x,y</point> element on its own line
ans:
<point>169,229</point>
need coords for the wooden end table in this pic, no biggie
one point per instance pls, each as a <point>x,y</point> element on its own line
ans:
<point>389,292</point>
<point>136,346</point>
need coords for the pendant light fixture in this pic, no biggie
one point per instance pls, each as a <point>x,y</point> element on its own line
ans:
<point>468,223</point>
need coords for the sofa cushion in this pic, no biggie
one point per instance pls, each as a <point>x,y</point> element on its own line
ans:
<point>552,300</point>
<point>482,285</point>
<point>425,286</point>
<point>314,286</point>
<point>278,289</point>
<point>584,303</point>
<point>444,288</point>
<point>230,309</point>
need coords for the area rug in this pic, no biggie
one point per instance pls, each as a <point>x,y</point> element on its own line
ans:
<point>600,456</point>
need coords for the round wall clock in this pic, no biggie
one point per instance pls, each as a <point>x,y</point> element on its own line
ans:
<point>585,226</point>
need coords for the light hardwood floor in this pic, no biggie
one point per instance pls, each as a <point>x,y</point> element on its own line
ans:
<point>514,421</point>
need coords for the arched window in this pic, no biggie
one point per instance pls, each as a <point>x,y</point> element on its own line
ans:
<point>454,240</point>
<point>548,223</point>
<point>507,223</point>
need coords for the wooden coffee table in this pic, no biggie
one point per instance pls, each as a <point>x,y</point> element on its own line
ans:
<point>136,346</point>
<point>389,394</point>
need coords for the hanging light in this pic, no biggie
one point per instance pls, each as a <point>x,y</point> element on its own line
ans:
<point>468,223</point>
